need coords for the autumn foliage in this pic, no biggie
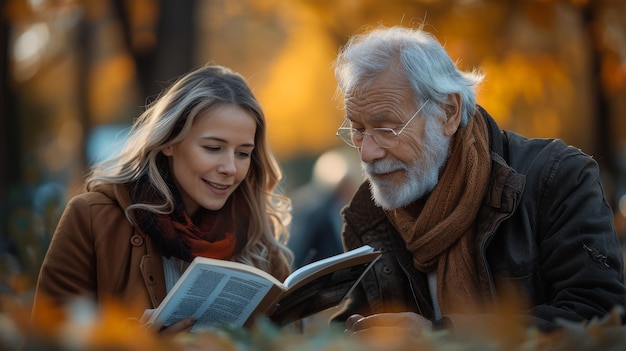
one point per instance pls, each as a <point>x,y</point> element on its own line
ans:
<point>82,326</point>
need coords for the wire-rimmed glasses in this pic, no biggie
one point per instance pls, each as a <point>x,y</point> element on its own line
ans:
<point>384,137</point>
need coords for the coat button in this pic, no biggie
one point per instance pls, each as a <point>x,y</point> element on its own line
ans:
<point>386,269</point>
<point>136,240</point>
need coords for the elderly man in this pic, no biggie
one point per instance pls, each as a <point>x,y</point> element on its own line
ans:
<point>459,207</point>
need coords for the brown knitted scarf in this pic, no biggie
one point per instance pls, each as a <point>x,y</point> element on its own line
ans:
<point>442,238</point>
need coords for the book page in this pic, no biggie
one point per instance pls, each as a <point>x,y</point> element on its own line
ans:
<point>323,289</point>
<point>306,270</point>
<point>214,295</point>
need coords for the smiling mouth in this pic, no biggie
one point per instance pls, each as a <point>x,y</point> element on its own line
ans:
<point>384,174</point>
<point>217,186</point>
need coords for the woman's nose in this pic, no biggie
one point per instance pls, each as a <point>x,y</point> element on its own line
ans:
<point>227,165</point>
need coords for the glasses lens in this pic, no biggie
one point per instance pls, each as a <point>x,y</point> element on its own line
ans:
<point>386,138</point>
<point>349,136</point>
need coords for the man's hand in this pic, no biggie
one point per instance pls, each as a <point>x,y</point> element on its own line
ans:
<point>388,325</point>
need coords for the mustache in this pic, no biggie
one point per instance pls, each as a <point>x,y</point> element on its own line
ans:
<point>384,166</point>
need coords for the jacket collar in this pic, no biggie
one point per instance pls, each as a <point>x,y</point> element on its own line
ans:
<point>497,138</point>
<point>506,186</point>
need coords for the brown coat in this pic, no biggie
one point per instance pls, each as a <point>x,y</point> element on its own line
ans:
<point>96,252</point>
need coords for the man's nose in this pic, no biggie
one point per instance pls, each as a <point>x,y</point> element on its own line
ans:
<point>370,151</point>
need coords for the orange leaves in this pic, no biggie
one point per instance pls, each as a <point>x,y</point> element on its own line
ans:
<point>110,80</point>
<point>143,17</point>
<point>613,74</point>
<point>519,81</point>
<point>83,327</point>
<point>43,327</point>
<point>112,329</point>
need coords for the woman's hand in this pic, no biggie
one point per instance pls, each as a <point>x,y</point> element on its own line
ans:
<point>183,325</point>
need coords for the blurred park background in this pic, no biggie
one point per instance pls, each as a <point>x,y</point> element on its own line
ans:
<point>74,74</point>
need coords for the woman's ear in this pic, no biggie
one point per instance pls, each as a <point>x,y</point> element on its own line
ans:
<point>168,151</point>
<point>453,115</point>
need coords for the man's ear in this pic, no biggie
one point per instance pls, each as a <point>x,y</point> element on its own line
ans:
<point>453,114</point>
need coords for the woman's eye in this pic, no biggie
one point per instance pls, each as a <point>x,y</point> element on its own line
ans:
<point>212,148</point>
<point>244,154</point>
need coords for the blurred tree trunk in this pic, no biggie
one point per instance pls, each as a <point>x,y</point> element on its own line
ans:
<point>10,149</point>
<point>4,90</point>
<point>603,151</point>
<point>84,55</point>
<point>173,52</point>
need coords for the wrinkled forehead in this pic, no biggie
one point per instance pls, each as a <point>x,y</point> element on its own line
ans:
<point>389,90</point>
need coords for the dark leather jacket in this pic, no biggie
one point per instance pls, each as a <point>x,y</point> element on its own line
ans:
<point>544,224</point>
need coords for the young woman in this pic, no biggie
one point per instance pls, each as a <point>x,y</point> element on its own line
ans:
<point>195,178</point>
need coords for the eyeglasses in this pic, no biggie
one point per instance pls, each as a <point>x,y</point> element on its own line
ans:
<point>384,137</point>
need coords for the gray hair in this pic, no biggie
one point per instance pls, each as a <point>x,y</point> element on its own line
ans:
<point>428,67</point>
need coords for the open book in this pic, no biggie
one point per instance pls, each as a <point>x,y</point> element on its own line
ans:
<point>223,293</point>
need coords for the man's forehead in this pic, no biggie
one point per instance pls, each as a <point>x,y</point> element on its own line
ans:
<point>379,98</point>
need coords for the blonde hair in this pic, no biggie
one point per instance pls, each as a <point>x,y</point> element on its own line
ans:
<point>167,121</point>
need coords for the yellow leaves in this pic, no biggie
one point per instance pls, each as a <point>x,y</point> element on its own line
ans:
<point>143,17</point>
<point>17,10</point>
<point>613,74</point>
<point>579,2</point>
<point>298,94</point>
<point>44,326</point>
<point>110,80</point>
<point>508,328</point>
<point>113,330</point>
<point>81,326</point>
<point>518,82</point>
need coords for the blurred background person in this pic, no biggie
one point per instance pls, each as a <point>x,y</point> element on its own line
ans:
<point>316,224</point>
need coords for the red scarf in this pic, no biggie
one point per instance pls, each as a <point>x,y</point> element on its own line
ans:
<point>210,234</point>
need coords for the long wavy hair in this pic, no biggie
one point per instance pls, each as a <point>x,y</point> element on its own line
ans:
<point>427,66</point>
<point>167,121</point>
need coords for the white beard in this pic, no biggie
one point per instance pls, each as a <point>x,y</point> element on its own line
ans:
<point>422,174</point>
